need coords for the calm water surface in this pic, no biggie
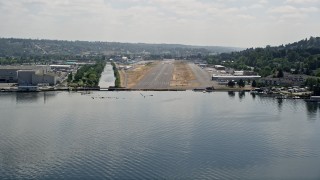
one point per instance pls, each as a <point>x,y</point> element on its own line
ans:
<point>133,135</point>
<point>107,77</point>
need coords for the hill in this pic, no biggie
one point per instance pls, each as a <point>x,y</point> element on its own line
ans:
<point>11,47</point>
<point>302,57</point>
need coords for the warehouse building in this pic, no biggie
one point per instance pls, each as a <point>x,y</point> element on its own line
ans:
<point>32,77</point>
<point>8,75</point>
<point>219,67</point>
<point>233,78</point>
<point>27,75</point>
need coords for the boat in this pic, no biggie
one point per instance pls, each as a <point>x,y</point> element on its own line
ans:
<point>256,91</point>
<point>282,97</point>
<point>253,92</point>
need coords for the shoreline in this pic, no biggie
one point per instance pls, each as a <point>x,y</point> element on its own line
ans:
<point>209,89</point>
<point>134,89</point>
<point>276,96</point>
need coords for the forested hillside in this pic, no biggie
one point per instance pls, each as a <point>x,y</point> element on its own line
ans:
<point>10,47</point>
<point>301,57</point>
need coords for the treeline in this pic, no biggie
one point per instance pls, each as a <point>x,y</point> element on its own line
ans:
<point>88,75</point>
<point>47,59</point>
<point>301,57</point>
<point>314,85</point>
<point>13,47</point>
<point>117,82</point>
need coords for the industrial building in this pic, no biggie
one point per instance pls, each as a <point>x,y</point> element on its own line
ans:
<point>8,75</point>
<point>244,73</point>
<point>238,73</point>
<point>233,78</point>
<point>32,77</point>
<point>27,75</point>
<point>219,67</point>
<point>62,68</point>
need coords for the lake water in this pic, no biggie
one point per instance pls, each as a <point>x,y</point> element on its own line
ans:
<point>107,77</point>
<point>157,135</point>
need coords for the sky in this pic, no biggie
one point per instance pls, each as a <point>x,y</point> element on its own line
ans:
<point>237,23</point>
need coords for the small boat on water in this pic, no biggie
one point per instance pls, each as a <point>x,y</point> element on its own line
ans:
<point>282,97</point>
<point>257,91</point>
<point>254,92</point>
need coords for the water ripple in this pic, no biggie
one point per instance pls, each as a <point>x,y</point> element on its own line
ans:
<point>170,135</point>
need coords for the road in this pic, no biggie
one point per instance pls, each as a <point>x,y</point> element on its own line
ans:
<point>158,77</point>
<point>202,76</point>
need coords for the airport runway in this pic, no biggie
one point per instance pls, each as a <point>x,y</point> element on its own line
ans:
<point>158,78</point>
<point>202,76</point>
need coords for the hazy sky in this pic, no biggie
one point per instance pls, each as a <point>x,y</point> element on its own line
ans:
<point>242,23</point>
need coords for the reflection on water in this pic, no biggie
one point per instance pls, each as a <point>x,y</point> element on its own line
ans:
<point>28,97</point>
<point>33,97</point>
<point>280,103</point>
<point>313,108</point>
<point>253,96</point>
<point>231,94</point>
<point>169,135</point>
<point>241,95</point>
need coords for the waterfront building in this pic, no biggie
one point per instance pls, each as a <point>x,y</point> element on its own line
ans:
<point>8,74</point>
<point>233,78</point>
<point>32,77</point>
<point>27,75</point>
<point>219,67</point>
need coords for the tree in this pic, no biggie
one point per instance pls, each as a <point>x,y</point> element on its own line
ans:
<point>280,73</point>
<point>231,84</point>
<point>316,90</point>
<point>265,71</point>
<point>241,83</point>
<point>293,56</point>
<point>311,82</point>
<point>88,75</point>
<point>318,72</point>
<point>70,77</point>
<point>254,83</point>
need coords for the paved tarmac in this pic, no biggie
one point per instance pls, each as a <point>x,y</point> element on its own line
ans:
<point>202,76</point>
<point>159,77</point>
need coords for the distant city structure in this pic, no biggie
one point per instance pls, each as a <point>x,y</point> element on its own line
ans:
<point>224,77</point>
